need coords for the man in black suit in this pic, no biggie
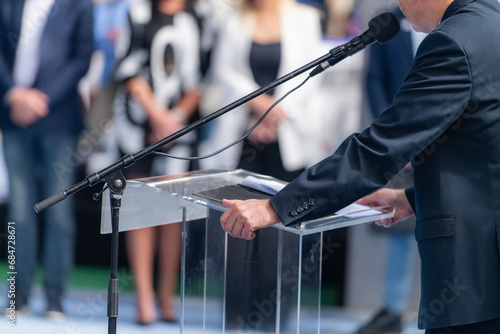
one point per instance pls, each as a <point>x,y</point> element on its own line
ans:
<point>445,120</point>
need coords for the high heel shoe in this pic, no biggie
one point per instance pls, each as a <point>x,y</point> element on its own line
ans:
<point>144,322</point>
<point>169,320</point>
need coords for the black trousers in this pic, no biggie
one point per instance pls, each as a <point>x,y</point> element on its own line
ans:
<point>485,327</point>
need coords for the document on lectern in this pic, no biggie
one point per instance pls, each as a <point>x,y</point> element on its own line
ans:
<point>252,187</point>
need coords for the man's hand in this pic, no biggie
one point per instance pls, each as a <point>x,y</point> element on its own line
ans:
<point>389,197</point>
<point>27,106</point>
<point>243,218</point>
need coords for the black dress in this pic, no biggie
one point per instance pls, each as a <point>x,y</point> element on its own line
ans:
<point>265,158</point>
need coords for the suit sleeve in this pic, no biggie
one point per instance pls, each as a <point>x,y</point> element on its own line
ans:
<point>434,95</point>
<point>83,46</point>
<point>410,196</point>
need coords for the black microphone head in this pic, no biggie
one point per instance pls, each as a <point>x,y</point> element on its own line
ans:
<point>383,27</point>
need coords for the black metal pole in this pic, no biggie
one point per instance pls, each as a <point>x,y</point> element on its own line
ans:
<point>116,184</point>
<point>129,159</point>
<point>381,29</point>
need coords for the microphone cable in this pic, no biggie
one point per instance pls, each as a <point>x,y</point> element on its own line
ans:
<point>243,137</point>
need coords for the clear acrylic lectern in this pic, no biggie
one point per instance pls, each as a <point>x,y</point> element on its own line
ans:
<point>269,284</point>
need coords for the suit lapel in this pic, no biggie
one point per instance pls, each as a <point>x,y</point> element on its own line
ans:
<point>50,25</point>
<point>55,11</point>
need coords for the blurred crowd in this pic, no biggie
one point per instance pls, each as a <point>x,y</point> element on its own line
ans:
<point>149,69</point>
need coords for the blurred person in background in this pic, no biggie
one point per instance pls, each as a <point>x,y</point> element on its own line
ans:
<point>339,23</point>
<point>258,42</point>
<point>41,118</point>
<point>365,10</point>
<point>110,17</point>
<point>99,86</point>
<point>159,72</point>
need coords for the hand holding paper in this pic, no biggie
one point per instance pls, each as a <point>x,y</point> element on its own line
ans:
<point>243,218</point>
<point>389,197</point>
<point>271,187</point>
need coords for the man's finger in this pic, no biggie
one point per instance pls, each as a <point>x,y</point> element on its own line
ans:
<point>368,201</point>
<point>247,233</point>
<point>228,219</point>
<point>225,220</point>
<point>229,202</point>
<point>237,229</point>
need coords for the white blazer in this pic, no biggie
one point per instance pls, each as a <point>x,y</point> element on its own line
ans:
<point>300,44</point>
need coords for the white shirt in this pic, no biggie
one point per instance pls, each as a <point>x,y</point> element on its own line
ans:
<point>35,15</point>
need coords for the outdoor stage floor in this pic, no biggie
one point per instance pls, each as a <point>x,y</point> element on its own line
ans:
<point>87,314</point>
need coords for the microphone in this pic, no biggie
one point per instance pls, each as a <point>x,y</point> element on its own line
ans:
<point>381,29</point>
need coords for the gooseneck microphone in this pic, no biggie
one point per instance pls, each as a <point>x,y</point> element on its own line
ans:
<point>381,29</point>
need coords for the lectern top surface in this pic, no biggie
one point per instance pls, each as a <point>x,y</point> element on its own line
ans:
<point>160,200</point>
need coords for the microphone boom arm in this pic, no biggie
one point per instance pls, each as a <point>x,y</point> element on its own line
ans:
<point>130,159</point>
<point>381,28</point>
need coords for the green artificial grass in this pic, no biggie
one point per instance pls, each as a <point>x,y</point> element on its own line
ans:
<point>96,278</point>
<point>85,277</point>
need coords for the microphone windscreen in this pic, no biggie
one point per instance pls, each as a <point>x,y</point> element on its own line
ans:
<point>383,27</point>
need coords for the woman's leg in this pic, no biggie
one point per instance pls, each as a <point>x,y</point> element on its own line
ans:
<point>141,246</point>
<point>170,256</point>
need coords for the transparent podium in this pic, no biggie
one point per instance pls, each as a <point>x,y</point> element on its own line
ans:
<point>271,284</point>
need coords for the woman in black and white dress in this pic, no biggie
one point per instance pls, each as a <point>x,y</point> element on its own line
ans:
<point>160,73</point>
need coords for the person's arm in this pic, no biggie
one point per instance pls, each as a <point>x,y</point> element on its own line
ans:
<point>26,105</point>
<point>166,121</point>
<point>162,120</point>
<point>395,198</point>
<point>231,70</point>
<point>436,93</point>
<point>410,196</point>
<point>243,218</point>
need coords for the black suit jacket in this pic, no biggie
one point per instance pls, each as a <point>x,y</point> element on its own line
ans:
<point>65,50</point>
<point>445,119</point>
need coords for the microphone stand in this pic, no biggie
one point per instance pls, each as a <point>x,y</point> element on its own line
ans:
<point>116,181</point>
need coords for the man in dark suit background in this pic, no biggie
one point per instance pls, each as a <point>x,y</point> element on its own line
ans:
<point>45,49</point>
<point>445,119</point>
